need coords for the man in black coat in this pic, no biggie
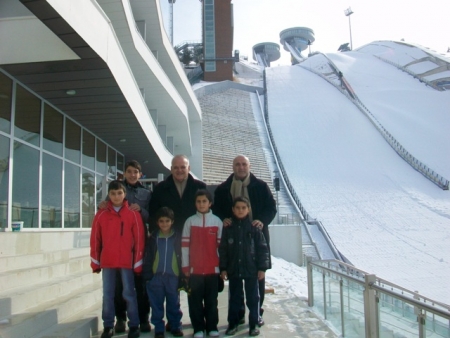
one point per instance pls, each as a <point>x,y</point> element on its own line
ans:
<point>176,192</point>
<point>263,206</point>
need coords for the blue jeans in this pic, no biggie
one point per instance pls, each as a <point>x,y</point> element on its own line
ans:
<point>129,294</point>
<point>162,287</point>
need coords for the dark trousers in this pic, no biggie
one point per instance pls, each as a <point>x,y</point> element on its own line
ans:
<point>203,302</point>
<point>142,299</point>
<point>251,295</point>
<point>262,291</point>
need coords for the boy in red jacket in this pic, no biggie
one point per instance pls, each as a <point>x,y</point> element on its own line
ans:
<point>117,245</point>
<point>200,263</point>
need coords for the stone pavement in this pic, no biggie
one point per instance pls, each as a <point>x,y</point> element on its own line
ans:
<point>285,316</point>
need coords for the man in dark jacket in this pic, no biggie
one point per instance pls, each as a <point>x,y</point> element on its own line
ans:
<point>176,192</point>
<point>242,183</point>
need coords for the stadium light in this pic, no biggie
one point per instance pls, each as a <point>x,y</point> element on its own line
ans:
<point>349,12</point>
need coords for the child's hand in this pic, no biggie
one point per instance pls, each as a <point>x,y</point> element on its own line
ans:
<point>261,275</point>
<point>224,275</point>
<point>96,271</point>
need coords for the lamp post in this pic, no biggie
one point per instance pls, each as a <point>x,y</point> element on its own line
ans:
<point>349,12</point>
<point>171,2</point>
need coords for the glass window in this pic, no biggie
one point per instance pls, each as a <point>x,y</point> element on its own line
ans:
<point>51,192</point>
<point>88,150</point>
<point>112,169</point>
<point>5,102</point>
<point>101,189</point>
<point>71,196</point>
<point>25,185</point>
<point>53,130</point>
<point>120,165</point>
<point>73,141</point>
<point>27,117</point>
<point>101,157</point>
<point>88,198</point>
<point>4,180</point>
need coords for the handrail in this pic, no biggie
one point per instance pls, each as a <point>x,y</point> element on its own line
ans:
<point>434,177</point>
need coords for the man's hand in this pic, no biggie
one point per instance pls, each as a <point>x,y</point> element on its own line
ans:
<point>257,223</point>
<point>224,275</point>
<point>261,275</point>
<point>103,205</point>
<point>135,207</point>
<point>226,222</point>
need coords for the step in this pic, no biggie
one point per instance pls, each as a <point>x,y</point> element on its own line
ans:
<point>28,296</point>
<point>39,318</point>
<point>12,279</point>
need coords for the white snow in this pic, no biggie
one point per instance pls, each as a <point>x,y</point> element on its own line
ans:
<point>384,216</point>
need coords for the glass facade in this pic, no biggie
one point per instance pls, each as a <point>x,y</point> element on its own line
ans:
<point>210,36</point>
<point>53,172</point>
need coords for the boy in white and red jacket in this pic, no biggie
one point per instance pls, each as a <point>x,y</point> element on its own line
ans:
<point>200,263</point>
<point>117,245</point>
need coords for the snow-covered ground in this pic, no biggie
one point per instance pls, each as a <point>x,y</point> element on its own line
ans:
<point>384,216</point>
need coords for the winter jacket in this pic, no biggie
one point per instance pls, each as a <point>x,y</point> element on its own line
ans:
<point>261,199</point>
<point>199,244</point>
<point>243,250</point>
<point>151,250</point>
<point>117,239</point>
<point>141,196</point>
<point>166,194</point>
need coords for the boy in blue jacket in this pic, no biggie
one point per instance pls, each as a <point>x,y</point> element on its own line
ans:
<point>162,272</point>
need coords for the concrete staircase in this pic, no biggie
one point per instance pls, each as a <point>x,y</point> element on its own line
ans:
<point>47,288</point>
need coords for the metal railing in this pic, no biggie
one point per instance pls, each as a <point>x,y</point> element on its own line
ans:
<point>359,304</point>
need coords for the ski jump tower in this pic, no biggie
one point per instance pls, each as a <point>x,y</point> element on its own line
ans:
<point>266,52</point>
<point>295,40</point>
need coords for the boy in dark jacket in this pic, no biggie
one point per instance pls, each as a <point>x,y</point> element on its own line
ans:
<point>117,246</point>
<point>161,273</point>
<point>244,256</point>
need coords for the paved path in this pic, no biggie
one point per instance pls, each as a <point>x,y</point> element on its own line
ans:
<point>285,316</point>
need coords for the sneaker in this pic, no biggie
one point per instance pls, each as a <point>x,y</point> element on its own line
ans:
<point>177,333</point>
<point>159,334</point>
<point>107,332</point>
<point>260,321</point>
<point>213,333</point>
<point>253,332</point>
<point>198,334</point>
<point>231,330</point>
<point>120,326</point>
<point>134,332</point>
<point>145,327</point>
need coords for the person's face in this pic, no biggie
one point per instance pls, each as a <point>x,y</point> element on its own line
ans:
<point>241,167</point>
<point>180,169</point>
<point>202,204</point>
<point>165,224</point>
<point>241,210</point>
<point>116,197</point>
<point>132,175</point>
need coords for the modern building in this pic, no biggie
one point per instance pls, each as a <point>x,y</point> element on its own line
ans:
<point>84,87</point>
<point>217,40</point>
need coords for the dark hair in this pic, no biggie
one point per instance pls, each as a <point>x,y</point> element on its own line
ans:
<point>165,212</point>
<point>241,199</point>
<point>204,192</point>
<point>134,164</point>
<point>116,185</point>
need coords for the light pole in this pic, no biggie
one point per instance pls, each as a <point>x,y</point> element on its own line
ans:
<point>171,2</point>
<point>349,12</point>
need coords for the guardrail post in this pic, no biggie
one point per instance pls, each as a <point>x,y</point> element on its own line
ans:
<point>309,274</point>
<point>370,308</point>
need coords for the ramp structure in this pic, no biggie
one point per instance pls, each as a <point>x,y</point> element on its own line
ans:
<point>295,40</point>
<point>266,52</point>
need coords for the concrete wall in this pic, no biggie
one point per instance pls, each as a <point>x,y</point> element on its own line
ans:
<point>286,243</point>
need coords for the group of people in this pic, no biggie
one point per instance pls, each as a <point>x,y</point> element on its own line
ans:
<point>149,246</point>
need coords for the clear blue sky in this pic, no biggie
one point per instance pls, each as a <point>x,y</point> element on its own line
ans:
<point>255,21</point>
